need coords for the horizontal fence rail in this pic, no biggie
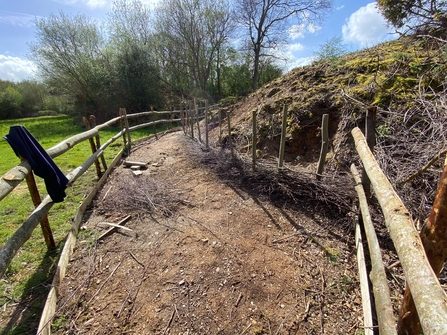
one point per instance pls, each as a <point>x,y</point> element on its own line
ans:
<point>429,297</point>
<point>16,175</point>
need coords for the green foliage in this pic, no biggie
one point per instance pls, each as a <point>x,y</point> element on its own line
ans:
<point>332,50</point>
<point>10,102</point>
<point>416,15</point>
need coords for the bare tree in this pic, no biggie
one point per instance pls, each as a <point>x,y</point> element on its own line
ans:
<point>194,31</point>
<point>266,22</point>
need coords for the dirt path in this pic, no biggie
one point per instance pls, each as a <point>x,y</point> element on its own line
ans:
<point>204,257</point>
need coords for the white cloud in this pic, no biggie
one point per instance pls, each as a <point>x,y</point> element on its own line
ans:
<point>16,68</point>
<point>366,27</point>
<point>341,7</point>
<point>298,62</point>
<point>295,47</point>
<point>89,3</point>
<point>298,30</point>
<point>313,28</point>
<point>17,19</point>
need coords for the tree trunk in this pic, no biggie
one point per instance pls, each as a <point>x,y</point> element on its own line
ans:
<point>434,240</point>
<point>256,69</point>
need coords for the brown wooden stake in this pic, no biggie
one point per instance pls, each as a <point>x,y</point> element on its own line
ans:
<point>230,142</point>
<point>98,142</point>
<point>196,115</point>
<point>254,139</point>
<point>127,133</point>
<point>37,200</point>
<point>93,147</point>
<point>183,117</point>
<point>123,127</point>
<point>220,127</point>
<point>206,124</point>
<point>191,118</point>
<point>170,118</point>
<point>370,134</point>
<point>324,145</point>
<point>434,240</point>
<point>282,144</point>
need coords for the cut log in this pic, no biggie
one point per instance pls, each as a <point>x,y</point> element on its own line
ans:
<point>132,163</point>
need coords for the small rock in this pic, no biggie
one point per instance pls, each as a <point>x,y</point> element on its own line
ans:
<point>181,282</point>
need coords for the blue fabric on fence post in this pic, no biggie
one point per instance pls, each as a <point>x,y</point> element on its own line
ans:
<point>26,146</point>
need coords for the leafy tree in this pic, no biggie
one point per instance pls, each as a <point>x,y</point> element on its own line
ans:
<point>34,94</point>
<point>137,74</point>
<point>415,14</point>
<point>266,22</point>
<point>70,54</point>
<point>190,35</point>
<point>331,50</point>
<point>10,101</point>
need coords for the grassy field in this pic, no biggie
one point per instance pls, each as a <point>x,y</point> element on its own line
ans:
<point>28,277</point>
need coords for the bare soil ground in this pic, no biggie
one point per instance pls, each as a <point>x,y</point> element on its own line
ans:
<point>207,254</point>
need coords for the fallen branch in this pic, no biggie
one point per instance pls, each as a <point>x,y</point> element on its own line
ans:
<point>238,300</point>
<point>104,283</point>
<point>424,168</point>
<point>170,321</point>
<point>123,221</point>
<point>114,225</point>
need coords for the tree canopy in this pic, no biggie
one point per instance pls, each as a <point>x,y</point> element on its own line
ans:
<point>415,15</point>
<point>265,23</point>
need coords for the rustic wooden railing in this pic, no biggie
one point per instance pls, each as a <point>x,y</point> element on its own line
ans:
<point>424,307</point>
<point>427,295</point>
<point>16,175</point>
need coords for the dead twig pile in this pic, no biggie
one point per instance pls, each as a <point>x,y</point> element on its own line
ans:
<point>144,193</point>
<point>332,197</point>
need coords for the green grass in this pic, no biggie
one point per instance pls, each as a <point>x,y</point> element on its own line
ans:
<point>29,275</point>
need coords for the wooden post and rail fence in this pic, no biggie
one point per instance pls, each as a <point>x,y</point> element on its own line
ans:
<point>424,307</point>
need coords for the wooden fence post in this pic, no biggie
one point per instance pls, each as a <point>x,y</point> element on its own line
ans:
<point>220,127</point>
<point>171,115</point>
<point>37,200</point>
<point>370,134</point>
<point>127,145</point>
<point>254,138</point>
<point>196,114</point>
<point>230,142</point>
<point>206,124</point>
<point>154,127</point>
<point>191,118</point>
<point>282,144</point>
<point>324,145</point>
<point>98,142</point>
<point>93,147</point>
<point>183,117</point>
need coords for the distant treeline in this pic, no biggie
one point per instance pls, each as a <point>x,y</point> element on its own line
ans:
<point>30,98</point>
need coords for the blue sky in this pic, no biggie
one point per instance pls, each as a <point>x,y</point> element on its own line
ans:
<point>356,21</point>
